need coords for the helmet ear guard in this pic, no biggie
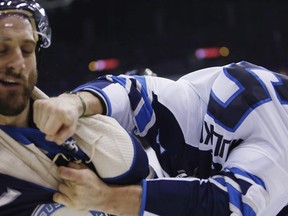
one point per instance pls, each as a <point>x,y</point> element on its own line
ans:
<point>36,15</point>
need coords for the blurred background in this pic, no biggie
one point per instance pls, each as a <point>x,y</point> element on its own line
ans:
<point>170,38</point>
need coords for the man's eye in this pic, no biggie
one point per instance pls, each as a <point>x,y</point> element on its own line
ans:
<point>28,49</point>
<point>3,49</point>
<point>27,52</point>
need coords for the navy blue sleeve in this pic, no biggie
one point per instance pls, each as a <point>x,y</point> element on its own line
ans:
<point>221,194</point>
<point>95,87</point>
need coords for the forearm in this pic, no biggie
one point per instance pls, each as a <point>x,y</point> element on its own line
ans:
<point>87,104</point>
<point>113,100</point>
<point>125,200</point>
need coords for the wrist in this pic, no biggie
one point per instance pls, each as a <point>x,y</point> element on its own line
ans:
<point>80,103</point>
<point>127,200</point>
<point>87,103</point>
<point>84,107</point>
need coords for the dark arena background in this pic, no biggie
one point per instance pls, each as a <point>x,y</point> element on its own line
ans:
<point>169,37</point>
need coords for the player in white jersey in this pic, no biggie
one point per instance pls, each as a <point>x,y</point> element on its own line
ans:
<point>225,128</point>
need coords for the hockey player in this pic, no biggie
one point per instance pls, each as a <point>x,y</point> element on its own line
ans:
<point>29,163</point>
<point>224,128</point>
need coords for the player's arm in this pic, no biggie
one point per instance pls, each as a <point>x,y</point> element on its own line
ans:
<point>89,103</point>
<point>57,117</point>
<point>83,190</point>
<point>135,101</point>
<point>130,100</point>
<point>232,191</point>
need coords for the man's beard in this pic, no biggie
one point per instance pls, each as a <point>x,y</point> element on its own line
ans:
<point>14,102</point>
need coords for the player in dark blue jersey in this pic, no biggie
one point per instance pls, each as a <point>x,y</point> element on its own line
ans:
<point>29,161</point>
<point>224,128</point>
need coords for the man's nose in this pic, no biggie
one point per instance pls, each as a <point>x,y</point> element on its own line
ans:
<point>17,62</point>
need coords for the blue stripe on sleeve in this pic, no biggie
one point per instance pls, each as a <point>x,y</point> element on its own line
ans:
<point>139,100</point>
<point>221,194</point>
<point>247,175</point>
<point>136,89</point>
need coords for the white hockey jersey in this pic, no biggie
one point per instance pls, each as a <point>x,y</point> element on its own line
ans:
<point>224,127</point>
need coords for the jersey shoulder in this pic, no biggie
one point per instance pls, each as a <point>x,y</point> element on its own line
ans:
<point>240,89</point>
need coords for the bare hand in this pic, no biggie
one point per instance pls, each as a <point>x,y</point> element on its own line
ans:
<point>81,189</point>
<point>57,117</point>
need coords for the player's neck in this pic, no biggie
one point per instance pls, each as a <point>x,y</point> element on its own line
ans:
<point>20,120</point>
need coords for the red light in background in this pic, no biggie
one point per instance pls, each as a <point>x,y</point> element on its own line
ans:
<point>104,64</point>
<point>211,52</point>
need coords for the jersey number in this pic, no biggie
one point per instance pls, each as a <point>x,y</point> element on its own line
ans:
<point>252,93</point>
<point>9,196</point>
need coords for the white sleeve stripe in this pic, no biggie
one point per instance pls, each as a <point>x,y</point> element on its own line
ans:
<point>232,207</point>
<point>234,184</point>
<point>235,210</point>
<point>248,201</point>
<point>238,176</point>
<point>216,183</point>
<point>232,188</point>
<point>176,179</point>
<point>128,85</point>
<point>139,107</point>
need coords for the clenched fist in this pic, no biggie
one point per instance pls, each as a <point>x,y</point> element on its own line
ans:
<point>57,117</point>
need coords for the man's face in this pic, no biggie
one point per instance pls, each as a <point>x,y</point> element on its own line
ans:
<point>18,73</point>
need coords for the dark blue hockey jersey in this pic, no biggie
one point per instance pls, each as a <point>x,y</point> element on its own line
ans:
<point>19,196</point>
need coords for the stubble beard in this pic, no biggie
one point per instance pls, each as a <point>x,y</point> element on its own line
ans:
<point>15,102</point>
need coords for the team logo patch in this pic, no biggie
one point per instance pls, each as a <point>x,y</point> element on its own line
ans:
<point>55,209</point>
